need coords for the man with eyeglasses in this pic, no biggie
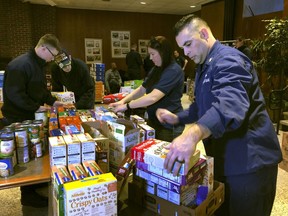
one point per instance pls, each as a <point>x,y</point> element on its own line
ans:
<point>25,92</point>
<point>73,74</point>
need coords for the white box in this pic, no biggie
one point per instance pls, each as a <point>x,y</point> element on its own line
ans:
<point>149,131</point>
<point>73,149</point>
<point>57,151</point>
<point>87,147</point>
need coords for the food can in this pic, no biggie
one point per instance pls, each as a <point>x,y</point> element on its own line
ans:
<point>27,122</point>
<point>7,144</point>
<point>23,154</point>
<point>6,167</point>
<point>34,133</point>
<point>21,137</point>
<point>36,150</point>
<point>42,115</point>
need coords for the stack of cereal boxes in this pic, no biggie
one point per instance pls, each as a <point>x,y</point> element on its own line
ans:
<point>181,189</point>
<point>79,185</point>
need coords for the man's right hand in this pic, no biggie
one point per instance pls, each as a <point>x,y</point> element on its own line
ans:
<point>58,103</point>
<point>165,116</point>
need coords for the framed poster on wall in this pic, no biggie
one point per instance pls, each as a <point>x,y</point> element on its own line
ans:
<point>142,46</point>
<point>93,50</point>
<point>120,43</point>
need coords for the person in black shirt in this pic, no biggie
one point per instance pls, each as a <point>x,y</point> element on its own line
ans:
<point>240,45</point>
<point>25,92</point>
<point>134,63</point>
<point>73,74</point>
<point>180,60</point>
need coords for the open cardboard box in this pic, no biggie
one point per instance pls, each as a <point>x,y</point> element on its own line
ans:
<point>137,195</point>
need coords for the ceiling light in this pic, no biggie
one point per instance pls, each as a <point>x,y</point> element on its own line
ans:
<point>143,3</point>
<point>192,6</point>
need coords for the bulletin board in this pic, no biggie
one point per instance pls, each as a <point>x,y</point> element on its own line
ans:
<point>93,50</point>
<point>120,43</point>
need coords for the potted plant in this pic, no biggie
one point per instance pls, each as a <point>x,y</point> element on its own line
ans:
<point>271,60</point>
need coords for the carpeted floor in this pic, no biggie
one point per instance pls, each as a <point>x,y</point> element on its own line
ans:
<point>11,206</point>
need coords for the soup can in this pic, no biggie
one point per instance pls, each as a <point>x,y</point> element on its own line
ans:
<point>34,133</point>
<point>21,137</point>
<point>36,150</point>
<point>23,155</point>
<point>42,115</point>
<point>6,167</point>
<point>7,144</point>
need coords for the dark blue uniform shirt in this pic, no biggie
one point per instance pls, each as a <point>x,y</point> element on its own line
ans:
<point>229,102</point>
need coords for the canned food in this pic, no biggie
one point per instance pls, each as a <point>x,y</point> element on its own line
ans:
<point>21,137</point>
<point>36,150</point>
<point>6,167</point>
<point>7,144</point>
<point>42,115</point>
<point>34,133</point>
<point>27,122</point>
<point>23,155</point>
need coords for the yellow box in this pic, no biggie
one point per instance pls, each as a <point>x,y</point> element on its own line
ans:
<point>95,195</point>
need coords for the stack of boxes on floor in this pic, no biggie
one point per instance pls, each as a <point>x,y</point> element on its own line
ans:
<point>97,71</point>
<point>166,194</point>
<point>84,146</point>
<point>78,166</point>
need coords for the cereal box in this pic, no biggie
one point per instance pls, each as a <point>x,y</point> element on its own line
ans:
<point>92,196</point>
<point>73,149</point>
<point>58,151</point>
<point>65,97</point>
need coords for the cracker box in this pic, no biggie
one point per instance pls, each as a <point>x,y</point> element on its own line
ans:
<point>73,149</point>
<point>92,196</point>
<point>149,131</point>
<point>92,168</point>
<point>88,151</point>
<point>77,171</point>
<point>65,97</point>
<point>57,151</point>
<point>155,155</point>
<point>102,153</point>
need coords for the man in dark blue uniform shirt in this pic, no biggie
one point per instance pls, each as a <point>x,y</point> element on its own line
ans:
<point>230,117</point>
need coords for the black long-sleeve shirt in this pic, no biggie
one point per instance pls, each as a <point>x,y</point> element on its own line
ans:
<point>78,80</point>
<point>25,87</point>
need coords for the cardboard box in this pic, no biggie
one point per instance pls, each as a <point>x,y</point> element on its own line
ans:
<point>73,149</point>
<point>122,136</point>
<point>88,151</point>
<point>164,207</point>
<point>149,131</point>
<point>102,152</point>
<point>65,97</point>
<point>57,151</point>
<point>95,195</point>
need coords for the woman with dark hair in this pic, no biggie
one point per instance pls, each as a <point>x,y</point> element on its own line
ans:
<point>162,88</point>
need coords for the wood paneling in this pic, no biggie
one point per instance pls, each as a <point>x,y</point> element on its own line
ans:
<point>73,26</point>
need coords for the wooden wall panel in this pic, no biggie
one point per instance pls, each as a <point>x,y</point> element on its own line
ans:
<point>213,14</point>
<point>73,26</point>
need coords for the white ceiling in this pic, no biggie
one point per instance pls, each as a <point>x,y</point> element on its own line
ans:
<point>177,7</point>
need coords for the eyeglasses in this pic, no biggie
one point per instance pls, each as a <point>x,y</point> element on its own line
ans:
<point>51,52</point>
